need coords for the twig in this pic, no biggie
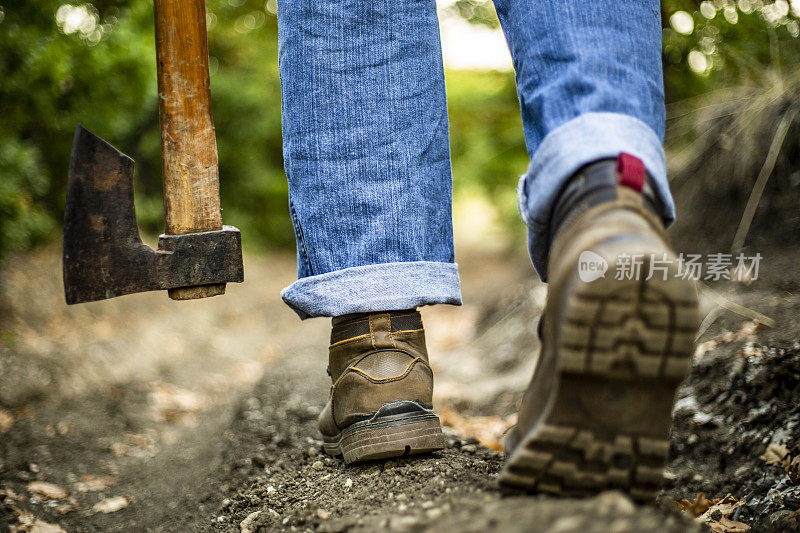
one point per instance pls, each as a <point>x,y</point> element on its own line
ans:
<point>761,181</point>
<point>710,318</point>
<point>736,308</point>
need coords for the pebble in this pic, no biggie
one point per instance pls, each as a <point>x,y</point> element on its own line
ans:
<point>323,514</point>
<point>433,513</point>
<point>318,465</point>
<point>402,522</point>
<point>312,452</point>
<point>247,525</point>
<point>469,448</point>
<point>348,483</point>
<point>614,503</point>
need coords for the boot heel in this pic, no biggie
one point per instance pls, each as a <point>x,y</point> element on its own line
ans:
<point>397,429</point>
<point>381,443</point>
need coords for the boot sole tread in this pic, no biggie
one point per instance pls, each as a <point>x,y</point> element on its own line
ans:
<point>416,436</point>
<point>625,347</point>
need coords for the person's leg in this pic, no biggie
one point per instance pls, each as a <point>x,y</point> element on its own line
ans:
<point>366,155</point>
<point>590,86</point>
<point>615,342</point>
<point>367,158</point>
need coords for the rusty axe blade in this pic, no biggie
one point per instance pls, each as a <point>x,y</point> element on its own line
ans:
<point>104,256</point>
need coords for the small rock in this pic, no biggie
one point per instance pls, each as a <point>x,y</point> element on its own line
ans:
<point>270,489</point>
<point>469,448</point>
<point>427,505</point>
<point>348,483</point>
<point>614,503</point>
<point>701,419</point>
<point>111,505</point>
<point>323,514</point>
<point>402,523</point>
<point>779,517</point>
<point>40,526</point>
<point>248,524</point>
<point>433,514</point>
<point>685,406</point>
<point>318,465</point>
<point>312,452</point>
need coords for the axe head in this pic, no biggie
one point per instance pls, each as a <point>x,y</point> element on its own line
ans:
<point>104,256</point>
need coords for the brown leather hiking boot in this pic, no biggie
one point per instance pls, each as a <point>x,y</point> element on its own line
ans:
<point>597,413</point>
<point>381,401</point>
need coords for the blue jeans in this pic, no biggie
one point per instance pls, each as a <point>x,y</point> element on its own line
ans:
<point>366,134</point>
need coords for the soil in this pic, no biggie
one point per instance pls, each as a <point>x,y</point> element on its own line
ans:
<point>162,416</point>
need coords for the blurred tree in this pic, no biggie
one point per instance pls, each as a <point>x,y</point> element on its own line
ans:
<point>60,65</point>
<point>717,43</point>
<point>65,62</point>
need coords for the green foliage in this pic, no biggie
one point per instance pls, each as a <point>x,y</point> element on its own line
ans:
<point>99,74</point>
<point>721,43</point>
<point>486,142</point>
<point>65,62</point>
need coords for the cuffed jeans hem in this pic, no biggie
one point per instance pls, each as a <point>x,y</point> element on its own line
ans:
<point>381,287</point>
<point>569,147</point>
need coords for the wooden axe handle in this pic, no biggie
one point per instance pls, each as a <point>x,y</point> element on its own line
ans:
<point>188,145</point>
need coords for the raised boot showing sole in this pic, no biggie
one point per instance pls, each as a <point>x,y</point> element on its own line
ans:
<point>597,414</point>
<point>380,403</point>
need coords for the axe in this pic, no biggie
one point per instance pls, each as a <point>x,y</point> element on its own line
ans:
<point>104,255</point>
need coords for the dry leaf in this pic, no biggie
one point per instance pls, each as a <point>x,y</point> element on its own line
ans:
<point>175,405</point>
<point>714,513</point>
<point>92,483</point>
<point>30,524</point>
<point>725,506</point>
<point>487,429</point>
<point>726,525</point>
<point>746,332</point>
<point>696,507</point>
<point>6,419</point>
<point>8,493</point>
<point>111,505</point>
<point>777,454</point>
<point>48,490</point>
<point>716,516</point>
<point>36,525</point>
<point>135,446</point>
<point>67,507</point>
<point>794,470</point>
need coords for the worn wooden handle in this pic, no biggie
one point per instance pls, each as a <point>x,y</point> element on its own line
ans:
<point>188,145</point>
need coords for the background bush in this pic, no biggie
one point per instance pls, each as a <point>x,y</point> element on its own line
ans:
<point>731,70</point>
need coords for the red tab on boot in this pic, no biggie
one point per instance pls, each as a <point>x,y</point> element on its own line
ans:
<point>630,171</point>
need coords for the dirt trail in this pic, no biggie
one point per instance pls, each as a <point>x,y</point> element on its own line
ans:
<point>200,416</point>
